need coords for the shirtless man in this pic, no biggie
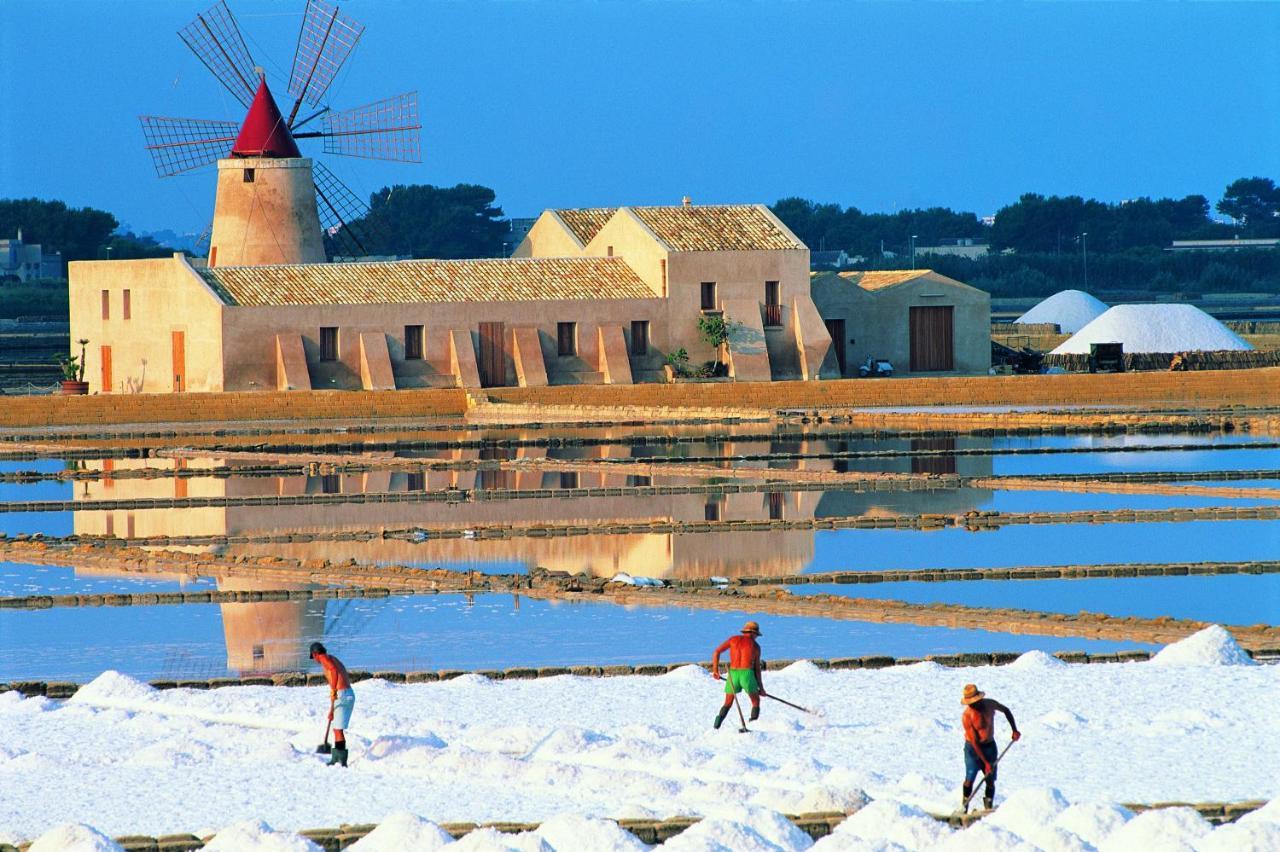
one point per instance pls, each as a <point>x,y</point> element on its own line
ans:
<point>979,723</point>
<point>744,670</point>
<point>342,699</point>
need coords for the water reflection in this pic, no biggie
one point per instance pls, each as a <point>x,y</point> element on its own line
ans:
<point>657,554</point>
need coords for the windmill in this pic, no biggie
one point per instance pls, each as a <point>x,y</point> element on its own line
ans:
<point>272,203</point>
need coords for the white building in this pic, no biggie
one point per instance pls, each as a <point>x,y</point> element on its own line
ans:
<point>27,261</point>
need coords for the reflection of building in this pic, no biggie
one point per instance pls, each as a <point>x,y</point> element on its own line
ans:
<point>269,636</point>
<point>659,554</point>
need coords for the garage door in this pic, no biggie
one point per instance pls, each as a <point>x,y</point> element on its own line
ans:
<point>932,339</point>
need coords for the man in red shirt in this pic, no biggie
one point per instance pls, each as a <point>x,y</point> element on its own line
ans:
<point>979,723</point>
<point>744,670</point>
<point>342,699</point>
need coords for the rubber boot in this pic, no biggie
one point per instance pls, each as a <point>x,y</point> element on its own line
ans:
<point>965,792</point>
<point>755,713</point>
<point>339,755</point>
<point>724,711</point>
<point>989,795</point>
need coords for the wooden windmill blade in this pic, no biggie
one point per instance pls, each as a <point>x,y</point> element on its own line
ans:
<point>215,38</point>
<point>383,130</point>
<point>325,41</point>
<point>179,145</point>
<point>343,215</point>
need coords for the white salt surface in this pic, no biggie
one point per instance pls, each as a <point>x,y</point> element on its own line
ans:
<point>74,837</point>
<point>1072,310</point>
<point>473,750</point>
<point>1154,328</point>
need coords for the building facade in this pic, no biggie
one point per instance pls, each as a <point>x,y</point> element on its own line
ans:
<point>28,261</point>
<point>920,321</point>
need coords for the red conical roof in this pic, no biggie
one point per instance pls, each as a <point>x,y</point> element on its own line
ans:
<point>264,133</point>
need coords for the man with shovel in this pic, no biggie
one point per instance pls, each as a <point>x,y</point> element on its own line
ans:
<point>979,723</point>
<point>342,699</point>
<point>744,671</point>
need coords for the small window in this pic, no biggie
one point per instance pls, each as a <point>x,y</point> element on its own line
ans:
<point>640,337</point>
<point>569,479</point>
<point>772,293</point>
<point>775,505</point>
<point>328,343</point>
<point>413,343</point>
<point>709,300</point>
<point>126,308</point>
<point>636,481</point>
<point>567,339</point>
<point>106,304</point>
<point>248,175</point>
<point>609,251</point>
<point>711,511</point>
<point>331,483</point>
<point>213,255</point>
<point>417,481</point>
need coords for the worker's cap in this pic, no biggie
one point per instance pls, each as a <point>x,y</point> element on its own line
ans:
<point>972,695</point>
<point>751,627</point>
<point>316,648</point>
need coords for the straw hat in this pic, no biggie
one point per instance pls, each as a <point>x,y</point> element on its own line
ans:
<point>972,695</point>
<point>751,627</point>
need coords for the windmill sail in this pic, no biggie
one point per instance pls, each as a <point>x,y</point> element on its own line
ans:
<point>215,38</point>
<point>179,145</point>
<point>383,130</point>
<point>324,43</point>
<point>343,215</point>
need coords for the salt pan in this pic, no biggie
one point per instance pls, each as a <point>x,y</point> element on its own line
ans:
<point>1166,829</point>
<point>401,830</point>
<point>257,836</point>
<point>569,831</point>
<point>1033,660</point>
<point>1213,646</point>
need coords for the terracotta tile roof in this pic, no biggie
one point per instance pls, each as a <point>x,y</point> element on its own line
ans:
<point>881,279</point>
<point>727,227</point>
<point>408,281</point>
<point>586,222</point>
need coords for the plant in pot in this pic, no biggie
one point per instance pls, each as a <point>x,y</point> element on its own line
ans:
<point>715,331</point>
<point>73,382</point>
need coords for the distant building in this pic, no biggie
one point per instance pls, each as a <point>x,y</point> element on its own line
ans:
<point>823,261</point>
<point>957,247</point>
<point>1222,245</point>
<point>28,261</point>
<point>515,234</point>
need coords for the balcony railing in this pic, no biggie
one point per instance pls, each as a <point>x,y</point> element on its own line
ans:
<point>773,315</point>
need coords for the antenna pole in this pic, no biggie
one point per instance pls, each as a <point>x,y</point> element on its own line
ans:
<point>314,65</point>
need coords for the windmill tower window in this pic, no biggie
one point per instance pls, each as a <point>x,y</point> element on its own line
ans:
<point>248,175</point>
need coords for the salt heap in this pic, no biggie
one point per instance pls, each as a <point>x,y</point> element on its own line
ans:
<point>1072,310</point>
<point>1154,328</point>
<point>1212,646</point>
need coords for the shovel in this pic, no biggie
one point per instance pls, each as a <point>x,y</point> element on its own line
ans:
<point>789,704</point>
<point>741,718</point>
<point>977,787</point>
<point>324,747</point>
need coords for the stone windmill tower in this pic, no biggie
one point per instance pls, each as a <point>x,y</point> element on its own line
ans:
<point>273,205</point>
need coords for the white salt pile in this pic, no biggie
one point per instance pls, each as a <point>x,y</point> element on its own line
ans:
<point>74,837</point>
<point>1213,646</point>
<point>256,836</point>
<point>1035,660</point>
<point>1072,310</point>
<point>1154,328</point>
<point>403,830</point>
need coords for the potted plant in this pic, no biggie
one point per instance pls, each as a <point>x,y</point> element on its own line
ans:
<point>715,331</point>
<point>73,382</point>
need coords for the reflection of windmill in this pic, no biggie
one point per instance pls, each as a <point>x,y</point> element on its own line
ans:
<point>272,202</point>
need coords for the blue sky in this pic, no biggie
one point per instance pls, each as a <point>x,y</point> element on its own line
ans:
<point>881,106</point>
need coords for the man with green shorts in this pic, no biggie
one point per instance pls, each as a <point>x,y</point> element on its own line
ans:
<point>744,670</point>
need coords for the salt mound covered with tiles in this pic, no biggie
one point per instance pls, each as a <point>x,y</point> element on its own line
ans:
<point>1072,310</point>
<point>1154,328</point>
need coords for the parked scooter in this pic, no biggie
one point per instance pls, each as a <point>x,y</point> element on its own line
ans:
<point>875,367</point>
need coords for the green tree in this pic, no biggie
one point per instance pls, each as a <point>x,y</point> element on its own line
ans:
<point>423,221</point>
<point>1254,203</point>
<point>79,233</point>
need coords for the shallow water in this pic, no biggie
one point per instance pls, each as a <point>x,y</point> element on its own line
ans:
<point>1225,599</point>
<point>439,631</point>
<point>18,579</point>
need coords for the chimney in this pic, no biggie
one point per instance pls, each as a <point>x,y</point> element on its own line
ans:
<point>686,201</point>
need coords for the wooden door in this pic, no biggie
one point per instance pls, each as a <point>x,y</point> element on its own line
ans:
<point>105,357</point>
<point>835,328</point>
<point>493,354</point>
<point>179,361</point>
<point>932,339</point>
